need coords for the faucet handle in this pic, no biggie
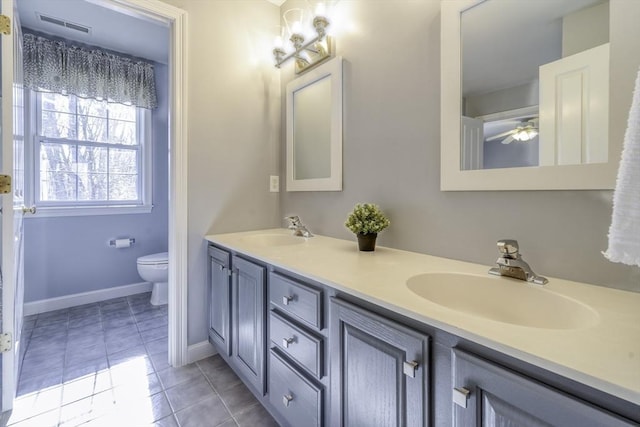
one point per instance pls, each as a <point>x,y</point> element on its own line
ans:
<point>508,247</point>
<point>294,221</point>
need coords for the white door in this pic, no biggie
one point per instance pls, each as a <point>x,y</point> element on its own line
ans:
<point>11,163</point>
<point>472,143</point>
<point>574,109</point>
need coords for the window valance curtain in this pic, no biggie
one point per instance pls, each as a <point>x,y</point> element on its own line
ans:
<point>60,67</point>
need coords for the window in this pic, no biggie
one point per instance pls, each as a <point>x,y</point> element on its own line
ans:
<point>89,154</point>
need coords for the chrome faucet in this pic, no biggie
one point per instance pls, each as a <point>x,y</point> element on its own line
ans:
<point>511,264</point>
<point>299,229</point>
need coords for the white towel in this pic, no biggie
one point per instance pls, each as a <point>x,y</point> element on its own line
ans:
<point>624,233</point>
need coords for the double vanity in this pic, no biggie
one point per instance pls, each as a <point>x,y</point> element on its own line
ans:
<point>325,335</point>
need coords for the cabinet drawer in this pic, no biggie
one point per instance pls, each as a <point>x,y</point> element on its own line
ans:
<point>301,346</point>
<point>300,301</point>
<point>297,399</point>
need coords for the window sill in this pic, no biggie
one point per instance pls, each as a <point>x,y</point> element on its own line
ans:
<point>45,212</point>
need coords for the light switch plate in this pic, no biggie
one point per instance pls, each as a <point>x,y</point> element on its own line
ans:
<point>274,183</point>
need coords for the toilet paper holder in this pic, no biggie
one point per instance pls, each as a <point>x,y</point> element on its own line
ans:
<point>112,242</point>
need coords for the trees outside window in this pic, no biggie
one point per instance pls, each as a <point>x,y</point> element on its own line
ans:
<point>89,152</point>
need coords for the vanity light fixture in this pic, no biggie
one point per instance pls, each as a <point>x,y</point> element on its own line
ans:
<point>310,53</point>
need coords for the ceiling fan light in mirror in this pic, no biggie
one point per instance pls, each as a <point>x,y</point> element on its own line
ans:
<point>525,135</point>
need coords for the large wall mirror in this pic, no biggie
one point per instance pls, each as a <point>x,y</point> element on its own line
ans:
<point>526,95</point>
<point>314,129</point>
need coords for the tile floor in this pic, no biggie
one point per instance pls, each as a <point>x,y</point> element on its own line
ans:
<point>105,364</point>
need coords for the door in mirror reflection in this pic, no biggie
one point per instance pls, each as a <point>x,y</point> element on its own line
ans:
<point>535,84</point>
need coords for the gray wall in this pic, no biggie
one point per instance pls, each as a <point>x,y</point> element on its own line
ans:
<point>392,154</point>
<point>234,130</point>
<point>525,95</point>
<point>69,255</point>
<point>516,154</point>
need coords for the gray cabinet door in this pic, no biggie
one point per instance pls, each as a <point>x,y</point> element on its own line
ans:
<point>249,322</point>
<point>219,296</point>
<point>379,370</point>
<point>499,397</point>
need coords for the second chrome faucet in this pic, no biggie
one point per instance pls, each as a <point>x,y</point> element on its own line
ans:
<point>299,229</point>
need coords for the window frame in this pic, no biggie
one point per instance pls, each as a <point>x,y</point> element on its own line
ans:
<point>144,204</point>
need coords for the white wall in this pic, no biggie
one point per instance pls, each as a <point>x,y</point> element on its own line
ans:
<point>585,29</point>
<point>234,130</point>
<point>392,154</point>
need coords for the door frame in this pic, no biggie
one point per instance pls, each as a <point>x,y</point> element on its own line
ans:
<point>9,359</point>
<point>176,20</point>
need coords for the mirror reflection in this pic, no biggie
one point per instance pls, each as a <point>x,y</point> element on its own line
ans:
<point>312,130</point>
<point>535,83</point>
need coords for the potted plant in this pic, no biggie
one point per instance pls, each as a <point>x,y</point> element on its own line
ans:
<point>366,221</point>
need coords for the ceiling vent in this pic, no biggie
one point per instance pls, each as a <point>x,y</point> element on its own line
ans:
<point>63,23</point>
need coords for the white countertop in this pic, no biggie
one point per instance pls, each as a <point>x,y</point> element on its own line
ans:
<point>605,356</point>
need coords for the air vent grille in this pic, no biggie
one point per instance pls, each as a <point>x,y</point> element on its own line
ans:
<point>63,23</point>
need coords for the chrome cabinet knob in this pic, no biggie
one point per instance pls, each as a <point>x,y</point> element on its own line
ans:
<point>461,396</point>
<point>287,299</point>
<point>286,342</point>
<point>410,368</point>
<point>286,399</point>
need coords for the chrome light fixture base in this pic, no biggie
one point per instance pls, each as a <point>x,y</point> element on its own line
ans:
<point>306,55</point>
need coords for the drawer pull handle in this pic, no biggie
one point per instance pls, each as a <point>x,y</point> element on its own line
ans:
<point>286,342</point>
<point>286,399</point>
<point>287,299</point>
<point>461,396</point>
<point>410,368</point>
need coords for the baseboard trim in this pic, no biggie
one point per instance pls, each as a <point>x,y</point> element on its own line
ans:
<point>200,351</point>
<point>58,303</point>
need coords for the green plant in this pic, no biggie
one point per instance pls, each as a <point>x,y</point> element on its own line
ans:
<point>366,218</point>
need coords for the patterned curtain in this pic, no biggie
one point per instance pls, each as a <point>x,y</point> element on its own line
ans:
<point>57,66</point>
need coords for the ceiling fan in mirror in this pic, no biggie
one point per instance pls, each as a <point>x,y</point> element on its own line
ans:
<point>525,131</point>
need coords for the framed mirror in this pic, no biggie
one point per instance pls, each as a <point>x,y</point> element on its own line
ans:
<point>525,96</point>
<point>314,129</point>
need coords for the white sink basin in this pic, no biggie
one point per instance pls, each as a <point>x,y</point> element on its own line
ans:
<point>504,300</point>
<point>273,239</point>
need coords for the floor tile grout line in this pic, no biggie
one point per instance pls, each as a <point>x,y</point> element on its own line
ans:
<point>231,415</point>
<point>65,351</point>
<point>217,394</point>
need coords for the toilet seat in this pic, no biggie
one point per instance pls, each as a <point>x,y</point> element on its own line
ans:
<point>161,258</point>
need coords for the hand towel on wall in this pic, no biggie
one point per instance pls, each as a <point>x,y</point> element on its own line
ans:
<point>624,233</point>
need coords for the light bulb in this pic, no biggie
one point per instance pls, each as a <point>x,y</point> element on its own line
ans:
<point>321,9</point>
<point>296,28</point>
<point>524,136</point>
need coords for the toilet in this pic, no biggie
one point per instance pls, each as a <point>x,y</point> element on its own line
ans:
<point>154,268</point>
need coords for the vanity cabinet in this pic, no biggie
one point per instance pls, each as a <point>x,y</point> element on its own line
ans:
<point>317,356</point>
<point>219,296</point>
<point>237,314</point>
<point>379,370</point>
<point>248,320</point>
<point>486,394</point>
